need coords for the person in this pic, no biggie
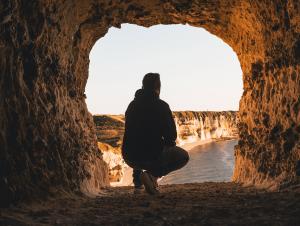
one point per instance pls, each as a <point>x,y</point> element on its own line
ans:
<point>149,142</point>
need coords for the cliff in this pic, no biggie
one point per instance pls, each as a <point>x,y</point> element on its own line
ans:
<point>110,131</point>
<point>191,127</point>
<point>194,126</point>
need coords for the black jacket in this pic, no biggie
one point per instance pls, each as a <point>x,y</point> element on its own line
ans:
<point>149,125</point>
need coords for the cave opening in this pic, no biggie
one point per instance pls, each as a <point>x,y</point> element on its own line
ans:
<point>201,80</point>
<point>45,60</point>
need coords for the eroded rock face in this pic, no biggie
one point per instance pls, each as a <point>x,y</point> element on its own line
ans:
<point>193,126</point>
<point>110,131</point>
<point>47,137</point>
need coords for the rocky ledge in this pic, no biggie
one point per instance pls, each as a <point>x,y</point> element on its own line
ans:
<point>187,204</point>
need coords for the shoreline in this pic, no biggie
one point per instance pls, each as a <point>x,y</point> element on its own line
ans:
<point>189,146</point>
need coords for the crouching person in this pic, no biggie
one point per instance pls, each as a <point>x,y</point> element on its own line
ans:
<point>150,133</point>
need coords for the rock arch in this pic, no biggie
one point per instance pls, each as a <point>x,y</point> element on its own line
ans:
<point>47,136</point>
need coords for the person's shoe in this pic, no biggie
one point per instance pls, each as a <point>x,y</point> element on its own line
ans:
<point>150,183</point>
<point>138,190</point>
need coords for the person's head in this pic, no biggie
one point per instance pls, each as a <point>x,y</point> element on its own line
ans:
<point>151,82</point>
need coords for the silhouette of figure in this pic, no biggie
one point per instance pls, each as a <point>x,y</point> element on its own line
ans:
<point>150,133</point>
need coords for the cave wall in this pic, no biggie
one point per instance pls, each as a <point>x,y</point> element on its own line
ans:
<point>47,137</point>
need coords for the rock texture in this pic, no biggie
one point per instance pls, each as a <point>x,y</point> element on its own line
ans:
<point>195,126</point>
<point>115,162</point>
<point>47,137</point>
<point>110,130</point>
<point>216,204</point>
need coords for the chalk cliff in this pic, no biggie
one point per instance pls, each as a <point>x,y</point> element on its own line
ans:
<point>195,126</point>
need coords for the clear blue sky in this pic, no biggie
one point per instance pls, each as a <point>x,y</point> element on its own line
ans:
<point>198,70</point>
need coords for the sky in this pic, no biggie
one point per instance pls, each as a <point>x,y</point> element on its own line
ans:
<point>198,71</point>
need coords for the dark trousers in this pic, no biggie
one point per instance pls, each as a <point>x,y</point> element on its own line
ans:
<point>171,159</point>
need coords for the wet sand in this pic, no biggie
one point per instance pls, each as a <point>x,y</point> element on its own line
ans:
<point>187,204</point>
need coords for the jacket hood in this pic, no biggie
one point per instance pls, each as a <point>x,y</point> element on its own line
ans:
<point>145,94</point>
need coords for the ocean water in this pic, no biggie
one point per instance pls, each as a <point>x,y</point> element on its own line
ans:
<point>213,161</point>
<point>208,162</point>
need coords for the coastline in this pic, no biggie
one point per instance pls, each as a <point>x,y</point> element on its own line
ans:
<point>189,146</point>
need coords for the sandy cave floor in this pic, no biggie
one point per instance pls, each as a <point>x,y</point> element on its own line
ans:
<point>186,204</point>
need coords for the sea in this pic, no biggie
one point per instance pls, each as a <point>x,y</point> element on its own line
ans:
<point>209,162</point>
<point>212,161</point>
